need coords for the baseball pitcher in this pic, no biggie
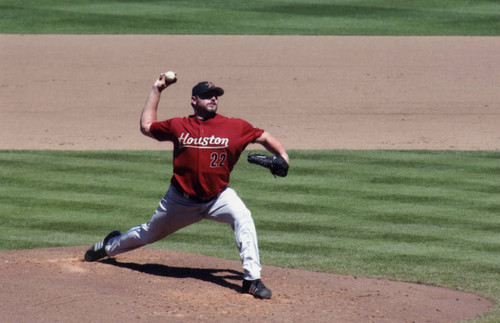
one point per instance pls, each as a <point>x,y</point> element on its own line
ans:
<point>207,145</point>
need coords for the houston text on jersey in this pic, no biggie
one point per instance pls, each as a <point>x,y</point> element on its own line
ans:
<point>212,142</point>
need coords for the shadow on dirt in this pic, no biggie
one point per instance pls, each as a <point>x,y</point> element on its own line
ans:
<point>220,277</point>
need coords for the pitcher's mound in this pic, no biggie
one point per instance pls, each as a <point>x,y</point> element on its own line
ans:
<point>151,285</point>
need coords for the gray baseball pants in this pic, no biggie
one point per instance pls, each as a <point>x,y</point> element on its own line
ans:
<point>176,212</point>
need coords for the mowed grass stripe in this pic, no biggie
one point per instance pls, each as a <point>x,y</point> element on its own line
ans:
<point>271,17</point>
<point>76,192</point>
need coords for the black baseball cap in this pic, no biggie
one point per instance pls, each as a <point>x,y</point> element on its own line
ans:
<point>205,87</point>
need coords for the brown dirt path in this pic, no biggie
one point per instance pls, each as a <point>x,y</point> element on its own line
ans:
<point>85,92</point>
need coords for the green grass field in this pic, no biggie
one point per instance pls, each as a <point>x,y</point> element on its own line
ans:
<point>430,217</point>
<point>262,17</point>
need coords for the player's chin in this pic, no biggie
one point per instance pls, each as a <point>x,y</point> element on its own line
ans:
<point>212,108</point>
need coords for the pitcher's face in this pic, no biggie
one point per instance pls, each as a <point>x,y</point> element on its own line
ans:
<point>205,105</point>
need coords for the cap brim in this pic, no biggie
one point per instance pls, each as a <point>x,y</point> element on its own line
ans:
<point>219,91</point>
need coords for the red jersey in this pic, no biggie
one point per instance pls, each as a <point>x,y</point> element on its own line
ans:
<point>205,151</point>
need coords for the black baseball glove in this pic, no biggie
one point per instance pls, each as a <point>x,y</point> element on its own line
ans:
<point>277,164</point>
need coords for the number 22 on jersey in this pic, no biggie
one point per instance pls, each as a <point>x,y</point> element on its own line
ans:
<point>217,160</point>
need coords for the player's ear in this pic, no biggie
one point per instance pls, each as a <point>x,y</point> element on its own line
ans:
<point>193,101</point>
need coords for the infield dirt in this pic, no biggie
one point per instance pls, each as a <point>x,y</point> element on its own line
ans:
<point>67,92</point>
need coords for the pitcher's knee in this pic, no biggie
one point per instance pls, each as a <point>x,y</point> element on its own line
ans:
<point>243,220</point>
<point>243,215</point>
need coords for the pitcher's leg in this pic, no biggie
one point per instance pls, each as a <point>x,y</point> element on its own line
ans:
<point>229,208</point>
<point>169,217</point>
<point>246,240</point>
<point>138,236</point>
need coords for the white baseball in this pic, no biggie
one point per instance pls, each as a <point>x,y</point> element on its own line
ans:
<point>170,76</point>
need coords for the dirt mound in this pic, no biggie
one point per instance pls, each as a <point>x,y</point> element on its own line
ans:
<point>150,285</point>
